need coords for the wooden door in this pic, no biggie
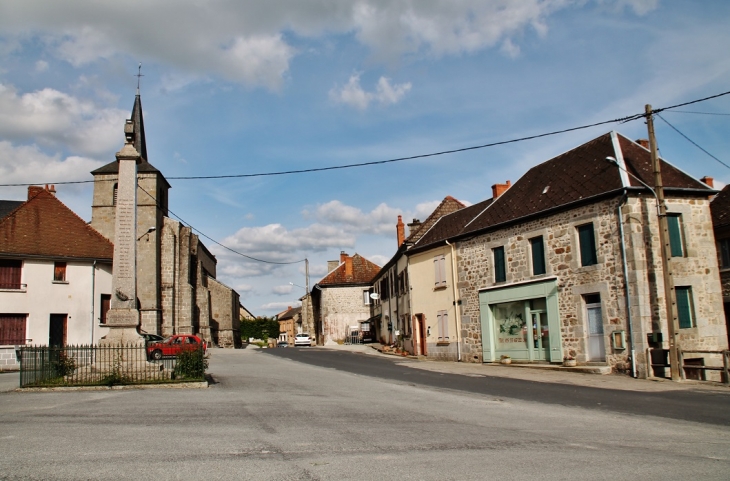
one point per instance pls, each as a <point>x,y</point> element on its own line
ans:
<point>57,330</point>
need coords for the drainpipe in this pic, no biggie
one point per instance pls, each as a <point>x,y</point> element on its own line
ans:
<point>626,282</point>
<point>93,294</point>
<point>457,310</point>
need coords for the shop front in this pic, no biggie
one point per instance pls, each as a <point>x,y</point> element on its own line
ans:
<point>521,321</point>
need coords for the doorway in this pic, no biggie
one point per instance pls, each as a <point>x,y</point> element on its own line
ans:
<point>57,330</point>
<point>596,339</point>
<point>422,334</point>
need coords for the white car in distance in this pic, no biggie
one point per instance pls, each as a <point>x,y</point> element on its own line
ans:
<point>302,340</point>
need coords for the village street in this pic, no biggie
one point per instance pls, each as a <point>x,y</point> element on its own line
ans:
<point>269,416</point>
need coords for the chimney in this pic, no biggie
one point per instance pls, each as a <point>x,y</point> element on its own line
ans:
<point>499,189</point>
<point>413,226</point>
<point>401,230</point>
<point>643,142</point>
<point>343,256</point>
<point>52,190</point>
<point>709,181</point>
<point>34,190</point>
<point>348,266</point>
<point>332,265</point>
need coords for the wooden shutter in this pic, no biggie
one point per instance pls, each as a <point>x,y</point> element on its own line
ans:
<point>439,271</point>
<point>10,271</point>
<point>675,235</point>
<point>499,270</point>
<point>538,256</point>
<point>12,329</point>
<point>587,241</point>
<point>684,307</point>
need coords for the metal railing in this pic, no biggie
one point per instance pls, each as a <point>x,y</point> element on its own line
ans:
<point>699,365</point>
<point>353,338</point>
<point>92,365</point>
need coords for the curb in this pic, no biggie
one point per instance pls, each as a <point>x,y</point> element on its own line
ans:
<point>124,387</point>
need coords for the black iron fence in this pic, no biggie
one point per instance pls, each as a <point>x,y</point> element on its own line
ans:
<point>91,365</point>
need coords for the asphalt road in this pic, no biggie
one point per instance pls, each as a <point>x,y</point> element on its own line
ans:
<point>269,417</point>
<point>704,407</point>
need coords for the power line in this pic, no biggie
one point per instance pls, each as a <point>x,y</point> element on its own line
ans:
<point>215,241</point>
<point>401,159</point>
<point>692,141</point>
<point>699,113</point>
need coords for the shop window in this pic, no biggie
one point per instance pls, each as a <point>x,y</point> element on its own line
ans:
<point>59,272</point>
<point>676,239</point>
<point>10,271</point>
<point>685,307</point>
<point>587,241</point>
<point>724,253</point>
<point>500,274</point>
<point>439,270</point>
<point>538,255</point>
<point>442,318</point>
<point>12,329</point>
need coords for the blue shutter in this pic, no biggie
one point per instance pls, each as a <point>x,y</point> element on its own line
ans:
<point>538,256</point>
<point>684,307</point>
<point>587,242</point>
<point>499,271</point>
<point>675,235</point>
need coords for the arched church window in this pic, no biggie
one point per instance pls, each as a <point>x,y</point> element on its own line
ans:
<point>114,194</point>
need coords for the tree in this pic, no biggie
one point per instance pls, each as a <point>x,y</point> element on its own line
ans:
<point>259,328</point>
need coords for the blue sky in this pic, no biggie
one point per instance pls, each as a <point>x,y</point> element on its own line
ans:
<point>251,87</point>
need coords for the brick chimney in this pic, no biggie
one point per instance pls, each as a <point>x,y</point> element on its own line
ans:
<point>348,266</point>
<point>709,181</point>
<point>643,142</point>
<point>34,190</point>
<point>413,226</point>
<point>343,256</point>
<point>401,230</point>
<point>499,189</point>
<point>52,190</point>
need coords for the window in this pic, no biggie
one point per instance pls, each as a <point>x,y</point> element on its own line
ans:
<point>587,241</point>
<point>538,255</point>
<point>439,269</point>
<point>114,194</point>
<point>10,273</point>
<point>106,303</point>
<point>676,240</point>
<point>59,271</point>
<point>442,318</point>
<point>499,271</point>
<point>12,329</point>
<point>723,252</point>
<point>366,297</point>
<point>685,307</point>
<point>593,308</point>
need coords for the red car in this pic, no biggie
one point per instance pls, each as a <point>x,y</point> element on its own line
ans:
<point>174,345</point>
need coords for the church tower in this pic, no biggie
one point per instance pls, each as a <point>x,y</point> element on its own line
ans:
<point>152,195</point>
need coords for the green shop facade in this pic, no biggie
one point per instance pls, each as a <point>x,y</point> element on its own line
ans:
<point>521,321</point>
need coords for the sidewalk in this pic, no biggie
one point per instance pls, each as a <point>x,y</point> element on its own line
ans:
<point>538,373</point>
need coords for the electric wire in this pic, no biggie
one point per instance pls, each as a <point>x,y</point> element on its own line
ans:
<point>692,141</point>
<point>622,120</point>
<point>699,113</point>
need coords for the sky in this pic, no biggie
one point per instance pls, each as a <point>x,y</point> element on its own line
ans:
<point>251,87</point>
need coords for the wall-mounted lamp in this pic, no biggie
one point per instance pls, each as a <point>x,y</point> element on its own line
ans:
<point>151,229</point>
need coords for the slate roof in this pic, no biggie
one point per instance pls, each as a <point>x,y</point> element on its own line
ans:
<point>363,272</point>
<point>450,225</point>
<point>447,206</point>
<point>580,175</point>
<point>289,314</point>
<point>720,208</point>
<point>7,206</point>
<point>43,226</point>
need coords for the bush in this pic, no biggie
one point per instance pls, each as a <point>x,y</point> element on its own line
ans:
<point>64,365</point>
<point>190,365</point>
<point>259,328</point>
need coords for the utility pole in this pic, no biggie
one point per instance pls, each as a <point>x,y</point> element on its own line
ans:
<point>670,296</point>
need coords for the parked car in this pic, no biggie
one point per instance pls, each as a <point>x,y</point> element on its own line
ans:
<point>150,338</point>
<point>302,340</point>
<point>282,344</point>
<point>174,345</point>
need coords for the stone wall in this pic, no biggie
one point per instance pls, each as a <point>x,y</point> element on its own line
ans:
<point>562,254</point>
<point>340,308</point>
<point>8,360</point>
<point>224,313</point>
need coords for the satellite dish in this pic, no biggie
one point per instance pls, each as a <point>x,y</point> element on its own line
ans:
<point>375,296</point>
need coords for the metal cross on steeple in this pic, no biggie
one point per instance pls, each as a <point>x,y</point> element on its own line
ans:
<point>139,74</point>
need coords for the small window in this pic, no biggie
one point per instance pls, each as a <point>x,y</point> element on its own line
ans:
<point>587,241</point>
<point>538,256</point>
<point>106,304</point>
<point>442,318</point>
<point>439,268</point>
<point>499,268</point>
<point>366,297</point>
<point>593,309</point>
<point>676,239</point>
<point>59,271</point>
<point>724,253</point>
<point>10,271</point>
<point>114,194</point>
<point>685,307</point>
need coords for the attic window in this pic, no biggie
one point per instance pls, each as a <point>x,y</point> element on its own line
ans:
<point>545,190</point>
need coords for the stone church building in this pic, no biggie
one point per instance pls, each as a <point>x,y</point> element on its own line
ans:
<point>177,288</point>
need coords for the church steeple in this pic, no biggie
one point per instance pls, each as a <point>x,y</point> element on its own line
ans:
<point>139,142</point>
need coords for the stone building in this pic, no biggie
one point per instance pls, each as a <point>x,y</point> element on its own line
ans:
<point>720,208</point>
<point>290,324</point>
<point>567,263</point>
<point>176,286</point>
<point>340,301</point>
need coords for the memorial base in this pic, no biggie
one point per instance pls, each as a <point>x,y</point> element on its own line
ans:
<point>122,324</point>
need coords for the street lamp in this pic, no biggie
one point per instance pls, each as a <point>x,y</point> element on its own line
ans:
<point>297,285</point>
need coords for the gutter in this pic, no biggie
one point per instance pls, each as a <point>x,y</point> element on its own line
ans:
<point>626,283</point>
<point>93,295</point>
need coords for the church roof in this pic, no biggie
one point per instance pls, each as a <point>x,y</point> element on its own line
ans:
<point>44,227</point>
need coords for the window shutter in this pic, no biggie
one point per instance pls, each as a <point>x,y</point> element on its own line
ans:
<point>675,235</point>
<point>499,270</point>
<point>445,323</point>
<point>587,242</point>
<point>684,307</point>
<point>538,256</point>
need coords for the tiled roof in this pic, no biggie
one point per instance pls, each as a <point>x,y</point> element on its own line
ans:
<point>363,272</point>
<point>451,224</point>
<point>7,206</point>
<point>447,206</point>
<point>577,175</point>
<point>44,226</point>
<point>720,208</point>
<point>289,314</point>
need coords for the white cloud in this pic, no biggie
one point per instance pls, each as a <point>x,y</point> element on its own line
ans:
<point>510,49</point>
<point>41,66</point>
<point>352,93</point>
<point>282,290</point>
<point>53,118</point>
<point>279,306</point>
<point>24,164</point>
<point>242,288</point>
